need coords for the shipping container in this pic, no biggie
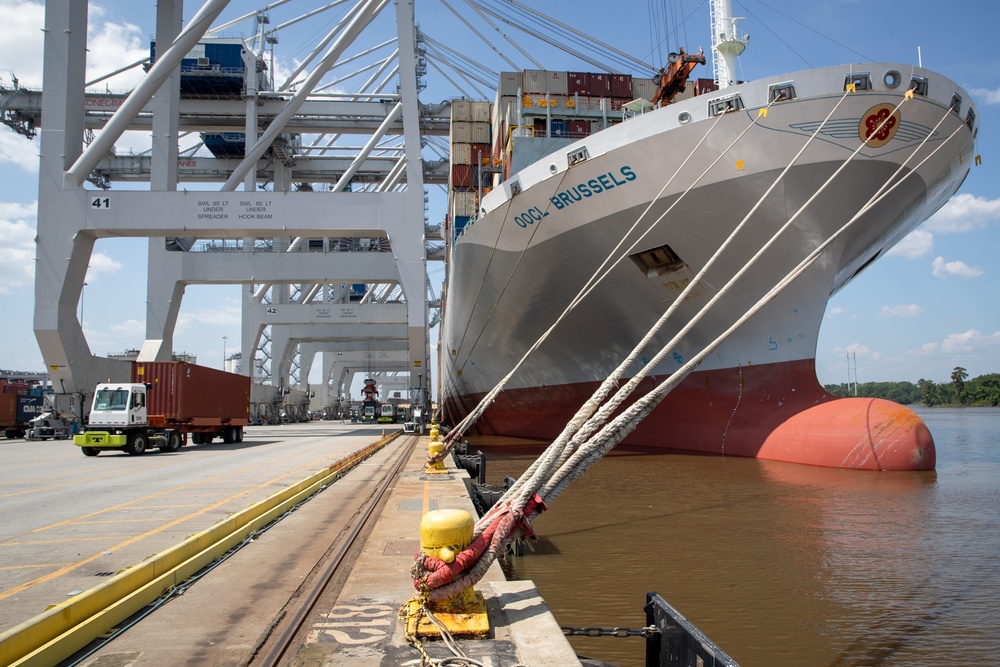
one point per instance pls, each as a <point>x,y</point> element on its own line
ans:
<point>480,154</point>
<point>460,223</point>
<point>579,128</point>
<point>461,176</point>
<point>621,86</point>
<point>600,85</point>
<point>183,392</point>
<point>225,144</point>
<point>578,83</point>
<point>461,154</point>
<point>560,128</point>
<point>29,407</point>
<point>509,84</point>
<point>643,88</point>
<point>463,204</point>
<point>539,127</point>
<point>534,81</point>
<point>556,83</point>
<point>702,86</point>
<point>461,111</point>
<point>480,112</point>
<point>17,409</point>
<point>480,133</point>
<point>461,133</point>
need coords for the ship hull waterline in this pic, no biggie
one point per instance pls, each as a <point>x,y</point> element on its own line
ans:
<point>735,412</point>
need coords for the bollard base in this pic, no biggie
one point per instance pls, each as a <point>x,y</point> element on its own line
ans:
<point>431,470</point>
<point>462,619</point>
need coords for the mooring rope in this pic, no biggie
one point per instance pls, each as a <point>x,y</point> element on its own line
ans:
<point>510,515</point>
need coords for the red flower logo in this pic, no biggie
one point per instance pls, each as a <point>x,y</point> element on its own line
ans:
<point>873,121</point>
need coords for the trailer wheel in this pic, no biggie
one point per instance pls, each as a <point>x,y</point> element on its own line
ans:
<point>229,435</point>
<point>90,451</point>
<point>136,445</point>
<point>239,434</point>
<point>172,443</point>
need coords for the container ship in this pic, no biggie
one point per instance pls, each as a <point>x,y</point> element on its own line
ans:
<point>578,163</point>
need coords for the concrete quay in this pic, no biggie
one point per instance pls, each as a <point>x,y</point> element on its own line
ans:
<point>362,628</point>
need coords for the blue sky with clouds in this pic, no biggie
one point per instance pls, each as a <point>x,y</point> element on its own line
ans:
<point>927,306</point>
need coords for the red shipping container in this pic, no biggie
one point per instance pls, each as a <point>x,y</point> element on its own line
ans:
<point>621,86</point>
<point>702,86</point>
<point>185,392</point>
<point>479,153</point>
<point>600,85</point>
<point>579,83</point>
<point>461,176</point>
<point>540,127</point>
<point>579,128</point>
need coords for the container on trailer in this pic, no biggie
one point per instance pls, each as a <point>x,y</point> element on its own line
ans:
<point>28,407</point>
<point>181,391</point>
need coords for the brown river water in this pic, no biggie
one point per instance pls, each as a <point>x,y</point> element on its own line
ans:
<point>782,564</point>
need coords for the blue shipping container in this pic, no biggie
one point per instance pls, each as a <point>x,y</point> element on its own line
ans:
<point>460,222</point>
<point>560,127</point>
<point>28,407</point>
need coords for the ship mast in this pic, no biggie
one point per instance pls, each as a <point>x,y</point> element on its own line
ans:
<point>727,42</point>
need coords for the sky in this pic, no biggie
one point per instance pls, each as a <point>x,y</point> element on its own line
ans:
<point>927,306</point>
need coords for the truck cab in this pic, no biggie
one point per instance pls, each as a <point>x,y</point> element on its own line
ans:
<point>119,405</point>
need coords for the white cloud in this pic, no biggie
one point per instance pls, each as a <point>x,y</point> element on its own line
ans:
<point>23,35</point>
<point>901,310</point>
<point>858,350</point>
<point>131,328</point>
<point>916,244</point>
<point>17,245</point>
<point>224,314</point>
<point>838,310</point>
<point>964,213</point>
<point>987,96</point>
<point>968,341</point>
<point>956,269</point>
<point>101,263</point>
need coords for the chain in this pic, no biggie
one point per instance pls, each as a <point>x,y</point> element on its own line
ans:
<point>648,632</point>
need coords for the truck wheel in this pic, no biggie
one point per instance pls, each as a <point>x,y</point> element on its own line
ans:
<point>239,434</point>
<point>229,435</point>
<point>136,444</point>
<point>172,443</point>
<point>90,451</point>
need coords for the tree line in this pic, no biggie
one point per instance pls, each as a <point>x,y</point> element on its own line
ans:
<point>983,391</point>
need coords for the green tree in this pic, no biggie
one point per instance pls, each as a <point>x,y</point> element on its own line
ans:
<point>928,392</point>
<point>958,378</point>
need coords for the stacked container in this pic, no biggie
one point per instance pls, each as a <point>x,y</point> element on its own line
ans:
<point>470,144</point>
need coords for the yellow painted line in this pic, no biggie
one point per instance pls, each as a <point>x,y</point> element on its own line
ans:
<point>67,627</point>
<point>191,486</point>
<point>165,507</point>
<point>107,521</point>
<point>75,539</point>
<point>137,538</point>
<point>33,566</point>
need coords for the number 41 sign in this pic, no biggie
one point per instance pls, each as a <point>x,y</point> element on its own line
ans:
<point>101,203</point>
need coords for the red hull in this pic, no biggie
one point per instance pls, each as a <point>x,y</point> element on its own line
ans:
<point>776,411</point>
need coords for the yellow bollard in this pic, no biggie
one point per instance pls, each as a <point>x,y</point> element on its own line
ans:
<point>443,535</point>
<point>436,468</point>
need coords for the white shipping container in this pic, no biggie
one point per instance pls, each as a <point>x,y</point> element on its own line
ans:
<point>510,84</point>
<point>461,111</point>
<point>480,133</point>
<point>461,133</point>
<point>534,81</point>
<point>644,88</point>
<point>463,203</point>
<point>480,111</point>
<point>461,154</point>
<point>557,83</point>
